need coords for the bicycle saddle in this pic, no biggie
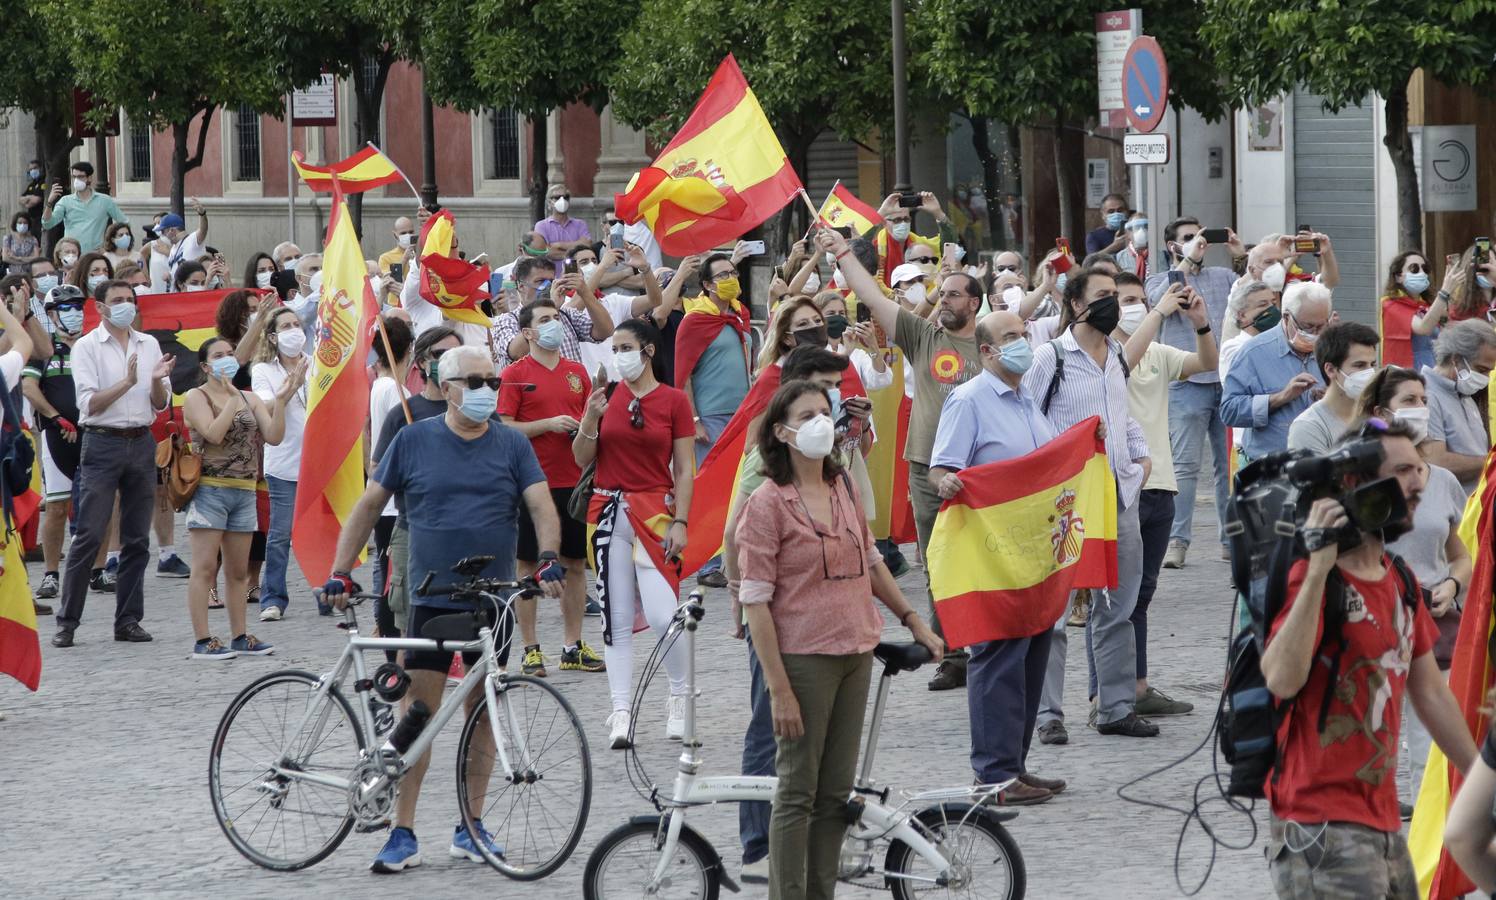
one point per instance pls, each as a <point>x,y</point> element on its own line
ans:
<point>898,657</point>
<point>462,626</point>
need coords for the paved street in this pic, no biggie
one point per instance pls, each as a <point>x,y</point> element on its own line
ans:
<point>103,789</point>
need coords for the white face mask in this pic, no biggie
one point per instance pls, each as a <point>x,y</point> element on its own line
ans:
<point>262,279</point>
<point>813,283</point>
<point>1132,316</point>
<point>630,364</point>
<point>1274,276</point>
<point>587,269</point>
<point>406,239</point>
<point>1470,381</point>
<point>68,259</point>
<point>1356,382</point>
<point>815,438</point>
<point>839,281</point>
<point>291,341</point>
<point>1013,296</point>
<point>1416,418</point>
<point>916,293</point>
<point>79,185</point>
<point>1140,238</point>
<point>562,205</point>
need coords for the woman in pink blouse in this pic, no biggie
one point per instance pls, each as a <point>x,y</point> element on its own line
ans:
<point>809,572</point>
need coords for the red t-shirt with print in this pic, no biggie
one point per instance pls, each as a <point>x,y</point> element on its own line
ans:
<point>1349,773</point>
<point>561,391</point>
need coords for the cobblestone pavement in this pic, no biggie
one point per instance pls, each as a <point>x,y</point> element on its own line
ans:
<point>103,789</point>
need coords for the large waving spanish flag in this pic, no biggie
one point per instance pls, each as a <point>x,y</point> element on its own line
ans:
<point>363,171</point>
<point>1470,677</point>
<point>454,285</point>
<point>332,456</point>
<point>723,174</point>
<point>1008,549</point>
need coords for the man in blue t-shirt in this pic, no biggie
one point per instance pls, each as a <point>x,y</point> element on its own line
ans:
<point>463,478</point>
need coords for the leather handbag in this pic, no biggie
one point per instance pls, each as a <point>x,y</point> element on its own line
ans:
<point>180,466</point>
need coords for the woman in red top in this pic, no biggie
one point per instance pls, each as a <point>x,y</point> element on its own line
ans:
<point>642,439</point>
<point>810,569</point>
<point>1410,313</point>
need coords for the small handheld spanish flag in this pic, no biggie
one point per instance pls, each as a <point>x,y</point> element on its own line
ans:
<point>363,171</point>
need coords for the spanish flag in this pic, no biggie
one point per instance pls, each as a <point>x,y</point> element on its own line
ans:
<point>723,174</point>
<point>20,647</point>
<point>886,467</point>
<point>455,285</point>
<point>332,456</point>
<point>363,171</point>
<point>1008,549</point>
<point>843,209</point>
<point>1470,677</point>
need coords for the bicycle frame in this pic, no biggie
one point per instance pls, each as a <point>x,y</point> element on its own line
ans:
<point>877,820</point>
<point>352,661</point>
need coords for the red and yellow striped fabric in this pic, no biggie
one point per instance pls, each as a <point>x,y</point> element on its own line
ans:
<point>363,171</point>
<point>722,174</point>
<point>843,209</point>
<point>20,647</point>
<point>1008,549</point>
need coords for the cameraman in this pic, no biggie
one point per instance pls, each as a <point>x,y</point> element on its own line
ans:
<point>1333,794</point>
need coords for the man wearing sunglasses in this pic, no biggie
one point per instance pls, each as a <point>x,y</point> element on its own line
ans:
<point>463,478</point>
<point>564,233</point>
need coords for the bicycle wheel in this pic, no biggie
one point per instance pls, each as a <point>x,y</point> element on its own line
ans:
<point>535,813</point>
<point>276,819</point>
<point>623,862</point>
<point>988,863</point>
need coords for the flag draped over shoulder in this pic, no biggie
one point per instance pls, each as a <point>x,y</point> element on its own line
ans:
<point>363,171</point>
<point>20,646</point>
<point>332,456</point>
<point>843,209</point>
<point>455,285</point>
<point>723,174</point>
<point>716,484</point>
<point>700,326</point>
<point>1470,677</point>
<point>1007,550</point>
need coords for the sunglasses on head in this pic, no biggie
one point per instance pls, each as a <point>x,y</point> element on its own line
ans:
<point>636,413</point>
<point>473,382</point>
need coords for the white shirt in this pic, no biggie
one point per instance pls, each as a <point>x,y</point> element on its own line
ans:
<point>872,379</point>
<point>98,362</point>
<point>164,265</point>
<point>640,235</point>
<point>11,365</point>
<point>600,353</point>
<point>383,397</point>
<point>282,460</point>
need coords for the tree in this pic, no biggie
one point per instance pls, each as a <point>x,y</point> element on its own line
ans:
<point>40,83</point>
<point>1035,64</point>
<point>1347,51</point>
<point>179,77</point>
<point>811,71</point>
<point>532,56</point>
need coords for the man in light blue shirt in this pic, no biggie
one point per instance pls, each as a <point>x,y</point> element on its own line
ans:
<point>988,419</point>
<point>83,214</point>
<point>1194,404</point>
<point>1275,377</point>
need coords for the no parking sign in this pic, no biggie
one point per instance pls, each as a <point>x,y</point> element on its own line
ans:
<point>1145,84</point>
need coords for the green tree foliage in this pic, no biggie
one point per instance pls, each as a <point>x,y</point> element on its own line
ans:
<point>1348,49</point>
<point>36,78</point>
<point>533,56</point>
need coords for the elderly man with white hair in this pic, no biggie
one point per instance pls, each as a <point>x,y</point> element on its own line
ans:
<point>1274,376</point>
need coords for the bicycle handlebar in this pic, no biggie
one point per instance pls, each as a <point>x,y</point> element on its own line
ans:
<point>525,586</point>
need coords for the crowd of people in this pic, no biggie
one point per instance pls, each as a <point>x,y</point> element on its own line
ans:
<point>581,415</point>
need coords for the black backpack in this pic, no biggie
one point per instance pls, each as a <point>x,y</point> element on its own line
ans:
<point>17,456</point>
<point>1250,716</point>
<point>1059,370</point>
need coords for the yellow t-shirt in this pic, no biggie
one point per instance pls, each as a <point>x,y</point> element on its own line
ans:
<point>389,258</point>
<point>1148,400</point>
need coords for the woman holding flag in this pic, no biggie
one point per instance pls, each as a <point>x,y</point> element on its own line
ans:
<point>643,444</point>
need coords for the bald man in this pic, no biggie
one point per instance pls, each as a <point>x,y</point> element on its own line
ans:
<point>988,419</point>
<point>405,238</point>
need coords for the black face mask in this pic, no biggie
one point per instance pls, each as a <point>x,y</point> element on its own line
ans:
<point>836,326</point>
<point>1104,314</point>
<point>814,336</point>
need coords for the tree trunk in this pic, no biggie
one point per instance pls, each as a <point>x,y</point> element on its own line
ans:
<point>1400,148</point>
<point>539,168</point>
<point>981,142</point>
<point>1062,184</point>
<point>179,166</point>
<point>55,143</point>
<point>368,98</point>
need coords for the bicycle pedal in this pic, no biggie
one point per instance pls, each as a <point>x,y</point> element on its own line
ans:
<point>371,827</point>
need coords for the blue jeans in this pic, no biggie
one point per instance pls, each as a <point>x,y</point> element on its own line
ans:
<point>277,543</point>
<point>759,750</point>
<point>1194,417</point>
<point>715,424</point>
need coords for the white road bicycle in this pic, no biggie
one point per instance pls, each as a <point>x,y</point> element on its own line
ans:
<point>940,843</point>
<point>295,766</point>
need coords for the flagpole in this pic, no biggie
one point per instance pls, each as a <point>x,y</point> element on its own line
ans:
<point>815,214</point>
<point>397,169</point>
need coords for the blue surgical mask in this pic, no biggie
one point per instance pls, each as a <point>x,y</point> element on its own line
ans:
<point>1483,281</point>
<point>1061,280</point>
<point>45,283</point>
<point>836,403</point>
<point>548,334</point>
<point>225,367</point>
<point>1415,282</point>
<point>95,280</point>
<point>122,242</point>
<point>478,404</point>
<point>71,320</point>
<point>1115,220</point>
<point>1016,356</point>
<point>899,231</point>
<point>122,315</point>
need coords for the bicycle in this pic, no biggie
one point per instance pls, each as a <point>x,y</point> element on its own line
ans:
<point>949,840</point>
<point>294,766</point>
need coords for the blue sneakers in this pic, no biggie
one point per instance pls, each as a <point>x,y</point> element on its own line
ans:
<point>400,853</point>
<point>464,848</point>
<point>173,567</point>
<point>250,645</point>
